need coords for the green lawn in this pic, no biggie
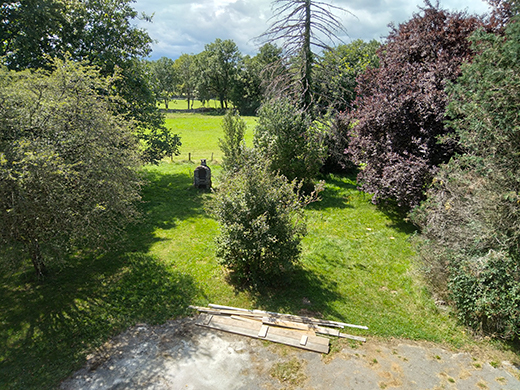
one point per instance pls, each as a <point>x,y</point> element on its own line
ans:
<point>200,133</point>
<point>356,267</point>
<point>182,104</point>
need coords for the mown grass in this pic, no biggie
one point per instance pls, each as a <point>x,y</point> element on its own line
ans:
<point>200,133</point>
<point>356,267</point>
<point>182,104</point>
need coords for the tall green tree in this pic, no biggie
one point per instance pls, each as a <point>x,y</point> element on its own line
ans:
<point>164,79</point>
<point>287,138</point>
<point>218,66</point>
<point>98,31</point>
<point>337,70</point>
<point>186,80</point>
<point>68,162</point>
<point>471,219</point>
<point>254,77</point>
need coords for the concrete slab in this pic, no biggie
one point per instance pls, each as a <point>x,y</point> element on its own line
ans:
<point>180,355</point>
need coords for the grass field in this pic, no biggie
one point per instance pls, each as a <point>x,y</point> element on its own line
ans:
<point>182,104</point>
<point>357,266</point>
<point>200,133</point>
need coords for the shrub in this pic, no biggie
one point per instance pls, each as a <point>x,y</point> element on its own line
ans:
<point>471,220</point>
<point>289,140</point>
<point>261,224</point>
<point>233,145</point>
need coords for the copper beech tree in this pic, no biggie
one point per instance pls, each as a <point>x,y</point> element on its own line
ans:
<point>400,106</point>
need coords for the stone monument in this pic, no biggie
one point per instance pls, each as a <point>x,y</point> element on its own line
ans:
<point>202,176</point>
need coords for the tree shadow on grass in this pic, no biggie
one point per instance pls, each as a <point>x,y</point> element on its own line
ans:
<point>167,199</point>
<point>336,194</point>
<point>300,292</point>
<point>47,327</point>
<point>398,216</point>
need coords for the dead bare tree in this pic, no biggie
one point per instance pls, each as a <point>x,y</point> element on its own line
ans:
<point>304,28</point>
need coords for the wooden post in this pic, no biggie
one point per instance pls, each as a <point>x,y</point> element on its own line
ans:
<point>189,157</point>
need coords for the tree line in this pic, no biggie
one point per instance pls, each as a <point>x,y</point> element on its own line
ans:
<point>244,82</point>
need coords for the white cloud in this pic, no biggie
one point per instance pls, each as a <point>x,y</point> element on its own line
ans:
<point>185,26</point>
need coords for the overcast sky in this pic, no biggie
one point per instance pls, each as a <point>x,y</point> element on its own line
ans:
<point>185,26</point>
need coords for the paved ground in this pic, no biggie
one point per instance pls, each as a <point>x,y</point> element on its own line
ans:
<point>180,355</point>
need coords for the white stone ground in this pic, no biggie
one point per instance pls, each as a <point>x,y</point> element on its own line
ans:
<point>180,355</point>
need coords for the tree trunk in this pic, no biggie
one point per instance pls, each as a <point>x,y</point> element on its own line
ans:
<point>166,103</point>
<point>307,59</point>
<point>37,259</point>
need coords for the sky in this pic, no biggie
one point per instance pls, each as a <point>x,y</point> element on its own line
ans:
<point>185,26</point>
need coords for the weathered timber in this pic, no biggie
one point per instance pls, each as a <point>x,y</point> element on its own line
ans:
<point>289,317</point>
<point>259,330</point>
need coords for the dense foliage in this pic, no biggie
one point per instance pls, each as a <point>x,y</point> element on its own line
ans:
<point>471,221</point>
<point>401,105</point>
<point>261,224</point>
<point>68,164</point>
<point>288,138</point>
<point>232,145</point>
<point>34,32</point>
<point>336,72</point>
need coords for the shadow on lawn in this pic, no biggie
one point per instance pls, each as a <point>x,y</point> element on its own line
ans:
<point>336,194</point>
<point>300,292</point>
<point>398,217</point>
<point>46,327</point>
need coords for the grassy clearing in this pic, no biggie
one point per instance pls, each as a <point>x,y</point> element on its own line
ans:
<point>356,267</point>
<point>200,133</point>
<point>182,104</point>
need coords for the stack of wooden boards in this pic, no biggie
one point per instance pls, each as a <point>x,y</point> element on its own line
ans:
<point>297,331</point>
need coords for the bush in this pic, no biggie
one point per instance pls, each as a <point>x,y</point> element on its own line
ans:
<point>233,145</point>
<point>471,220</point>
<point>261,224</point>
<point>288,139</point>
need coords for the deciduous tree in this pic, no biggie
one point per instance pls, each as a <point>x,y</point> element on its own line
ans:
<point>287,137</point>
<point>471,220</point>
<point>401,105</point>
<point>68,163</point>
<point>217,68</point>
<point>186,77</point>
<point>33,32</point>
<point>164,79</point>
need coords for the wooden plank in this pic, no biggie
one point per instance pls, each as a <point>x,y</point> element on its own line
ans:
<point>263,331</point>
<point>228,308</point>
<point>290,317</point>
<point>247,319</point>
<point>290,321</point>
<point>286,324</point>
<point>351,337</point>
<point>274,334</point>
<point>327,331</point>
